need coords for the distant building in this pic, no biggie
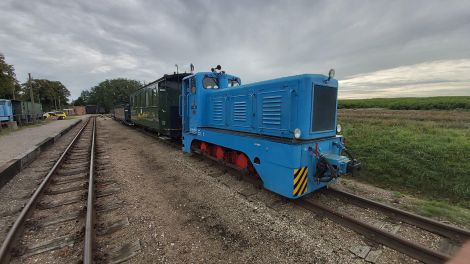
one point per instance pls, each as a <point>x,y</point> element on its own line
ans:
<point>79,110</point>
<point>94,109</point>
<point>69,111</point>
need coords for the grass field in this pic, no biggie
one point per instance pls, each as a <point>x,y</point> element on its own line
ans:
<point>410,103</point>
<point>426,153</point>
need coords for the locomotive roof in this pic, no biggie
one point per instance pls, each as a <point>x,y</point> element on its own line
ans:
<point>317,77</point>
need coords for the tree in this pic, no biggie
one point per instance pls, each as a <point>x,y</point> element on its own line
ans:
<point>83,99</point>
<point>109,92</point>
<point>9,86</point>
<point>51,94</point>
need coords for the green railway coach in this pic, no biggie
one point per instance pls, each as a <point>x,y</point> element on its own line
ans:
<point>156,105</point>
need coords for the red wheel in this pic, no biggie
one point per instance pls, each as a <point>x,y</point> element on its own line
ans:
<point>241,161</point>
<point>219,152</point>
<point>203,147</point>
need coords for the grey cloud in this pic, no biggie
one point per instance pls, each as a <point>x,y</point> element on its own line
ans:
<point>443,77</point>
<point>84,42</point>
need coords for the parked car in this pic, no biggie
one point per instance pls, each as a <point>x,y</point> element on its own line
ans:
<point>48,115</point>
<point>60,115</point>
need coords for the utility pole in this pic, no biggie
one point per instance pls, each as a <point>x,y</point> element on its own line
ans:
<point>176,65</point>
<point>39,92</point>
<point>32,97</point>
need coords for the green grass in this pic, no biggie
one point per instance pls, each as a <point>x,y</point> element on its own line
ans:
<point>423,153</point>
<point>410,103</point>
<point>444,211</point>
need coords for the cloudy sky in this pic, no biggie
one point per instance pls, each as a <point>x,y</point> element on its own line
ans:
<point>378,48</point>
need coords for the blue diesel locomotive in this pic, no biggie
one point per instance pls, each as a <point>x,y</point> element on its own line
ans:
<point>282,131</point>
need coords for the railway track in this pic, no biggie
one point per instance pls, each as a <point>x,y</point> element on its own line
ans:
<point>414,250</point>
<point>450,232</point>
<point>56,225</point>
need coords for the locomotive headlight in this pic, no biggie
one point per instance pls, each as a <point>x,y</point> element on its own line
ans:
<point>297,133</point>
<point>338,128</point>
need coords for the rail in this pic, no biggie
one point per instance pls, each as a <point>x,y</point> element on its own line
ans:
<point>449,231</point>
<point>90,212</point>
<point>390,240</point>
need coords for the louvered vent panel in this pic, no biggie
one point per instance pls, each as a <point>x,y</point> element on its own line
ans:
<point>218,110</point>
<point>271,113</point>
<point>239,111</point>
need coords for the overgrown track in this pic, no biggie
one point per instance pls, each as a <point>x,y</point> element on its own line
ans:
<point>56,204</point>
<point>414,250</point>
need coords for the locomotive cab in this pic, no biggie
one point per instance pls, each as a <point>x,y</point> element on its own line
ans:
<point>195,89</point>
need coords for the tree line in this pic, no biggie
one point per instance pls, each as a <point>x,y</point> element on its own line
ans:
<point>108,93</point>
<point>51,94</point>
<point>54,95</point>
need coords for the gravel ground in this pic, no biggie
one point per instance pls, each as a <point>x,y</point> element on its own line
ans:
<point>18,142</point>
<point>184,209</point>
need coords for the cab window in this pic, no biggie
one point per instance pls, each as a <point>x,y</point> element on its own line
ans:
<point>146,93</point>
<point>193,85</point>
<point>210,83</point>
<point>233,83</point>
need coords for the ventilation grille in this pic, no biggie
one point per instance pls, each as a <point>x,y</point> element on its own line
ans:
<point>218,110</point>
<point>239,111</point>
<point>271,114</point>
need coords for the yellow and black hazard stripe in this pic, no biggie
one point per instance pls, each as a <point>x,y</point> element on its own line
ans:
<point>300,181</point>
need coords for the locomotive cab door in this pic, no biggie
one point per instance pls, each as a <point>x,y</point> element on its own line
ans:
<point>190,108</point>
